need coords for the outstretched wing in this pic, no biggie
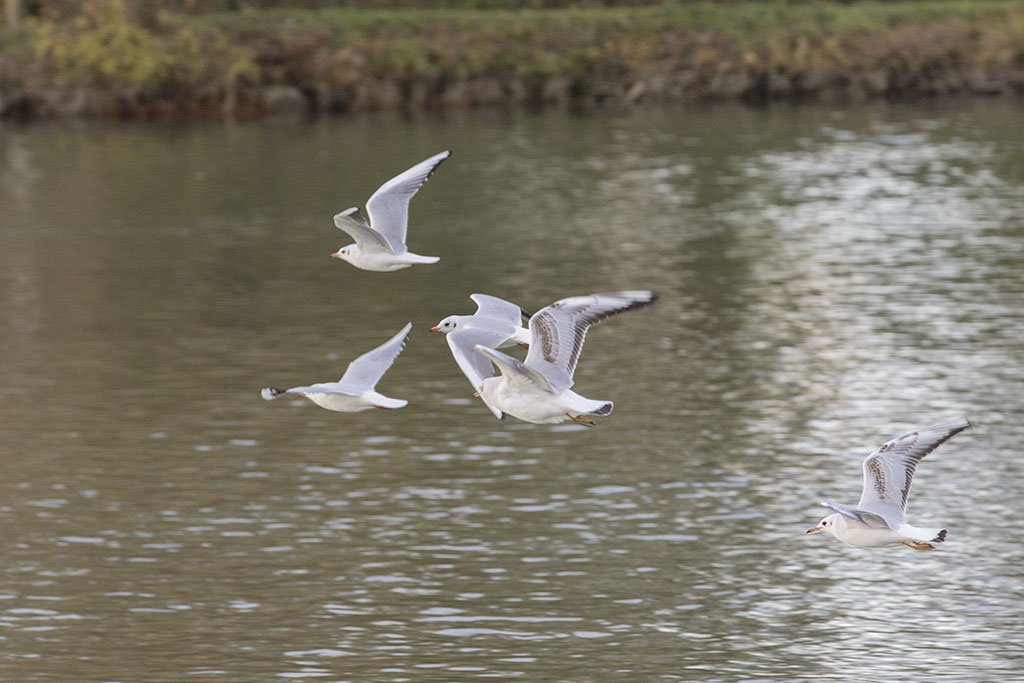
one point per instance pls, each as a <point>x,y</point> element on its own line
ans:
<point>368,239</point>
<point>515,372</point>
<point>488,306</point>
<point>889,471</point>
<point>388,207</point>
<point>475,366</point>
<point>557,331</point>
<point>869,518</point>
<point>365,371</point>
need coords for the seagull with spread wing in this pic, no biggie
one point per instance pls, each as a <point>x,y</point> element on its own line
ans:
<point>879,518</point>
<point>539,389</point>
<point>380,244</point>
<point>356,390</point>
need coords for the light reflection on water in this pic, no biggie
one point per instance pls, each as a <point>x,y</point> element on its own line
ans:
<point>828,279</point>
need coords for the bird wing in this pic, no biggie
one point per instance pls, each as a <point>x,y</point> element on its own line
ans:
<point>515,372</point>
<point>474,366</point>
<point>368,239</point>
<point>323,388</point>
<point>889,471</point>
<point>365,371</point>
<point>388,207</point>
<point>488,306</point>
<point>557,331</point>
<point>869,518</point>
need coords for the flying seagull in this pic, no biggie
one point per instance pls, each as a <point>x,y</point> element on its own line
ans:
<point>539,389</point>
<point>496,324</point>
<point>355,390</point>
<point>380,244</point>
<point>879,518</point>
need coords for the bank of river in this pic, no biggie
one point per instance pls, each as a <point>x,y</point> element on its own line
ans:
<point>255,63</point>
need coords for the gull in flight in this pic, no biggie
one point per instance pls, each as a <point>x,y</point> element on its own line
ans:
<point>538,390</point>
<point>380,244</point>
<point>880,517</point>
<point>355,390</point>
<point>496,325</point>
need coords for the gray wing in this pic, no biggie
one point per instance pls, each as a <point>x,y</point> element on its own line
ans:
<point>488,306</point>
<point>515,372</point>
<point>889,471</point>
<point>368,239</point>
<point>365,371</point>
<point>388,207</point>
<point>869,518</point>
<point>557,331</point>
<point>474,366</point>
<point>270,393</point>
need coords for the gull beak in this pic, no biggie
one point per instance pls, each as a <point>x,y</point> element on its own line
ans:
<point>335,255</point>
<point>813,528</point>
<point>435,328</point>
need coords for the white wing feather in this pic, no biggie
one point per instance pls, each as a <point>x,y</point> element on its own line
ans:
<point>388,207</point>
<point>364,372</point>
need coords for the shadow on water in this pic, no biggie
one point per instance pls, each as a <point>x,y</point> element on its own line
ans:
<point>828,280</point>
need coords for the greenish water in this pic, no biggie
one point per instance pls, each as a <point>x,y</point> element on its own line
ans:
<point>829,279</point>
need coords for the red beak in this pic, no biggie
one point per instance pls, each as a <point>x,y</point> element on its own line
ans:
<point>435,328</point>
<point>335,255</point>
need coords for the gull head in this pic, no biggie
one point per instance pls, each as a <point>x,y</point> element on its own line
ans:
<point>487,389</point>
<point>827,524</point>
<point>449,324</point>
<point>345,253</point>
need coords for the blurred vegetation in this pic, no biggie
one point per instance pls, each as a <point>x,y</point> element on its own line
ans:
<point>177,48</point>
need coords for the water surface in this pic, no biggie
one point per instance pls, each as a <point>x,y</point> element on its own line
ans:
<point>829,279</point>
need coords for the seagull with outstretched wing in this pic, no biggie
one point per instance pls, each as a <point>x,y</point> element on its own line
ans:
<point>539,388</point>
<point>879,518</point>
<point>380,243</point>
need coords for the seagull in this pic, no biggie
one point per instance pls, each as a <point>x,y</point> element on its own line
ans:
<point>355,390</point>
<point>496,325</point>
<point>382,246</point>
<point>538,390</point>
<point>880,517</point>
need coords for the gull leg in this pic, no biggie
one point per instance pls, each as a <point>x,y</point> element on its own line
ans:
<point>581,420</point>
<point>918,545</point>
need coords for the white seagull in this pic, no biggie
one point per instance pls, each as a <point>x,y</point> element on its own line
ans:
<point>496,324</point>
<point>538,390</point>
<point>380,244</point>
<point>880,517</point>
<point>355,390</point>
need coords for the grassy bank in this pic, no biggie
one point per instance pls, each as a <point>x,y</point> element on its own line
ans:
<point>103,63</point>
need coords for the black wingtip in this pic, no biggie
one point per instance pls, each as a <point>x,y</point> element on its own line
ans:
<point>940,537</point>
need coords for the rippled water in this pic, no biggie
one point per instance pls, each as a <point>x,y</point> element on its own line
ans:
<point>829,279</point>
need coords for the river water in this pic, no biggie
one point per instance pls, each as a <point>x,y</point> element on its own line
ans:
<point>829,278</point>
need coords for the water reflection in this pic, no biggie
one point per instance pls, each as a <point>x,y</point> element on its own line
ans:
<point>829,279</point>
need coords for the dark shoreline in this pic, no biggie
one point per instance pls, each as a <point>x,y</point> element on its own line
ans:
<point>251,102</point>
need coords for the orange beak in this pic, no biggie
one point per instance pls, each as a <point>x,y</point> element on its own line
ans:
<point>813,528</point>
<point>335,255</point>
<point>435,328</point>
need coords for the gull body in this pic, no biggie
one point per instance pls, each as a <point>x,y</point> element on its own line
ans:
<point>879,518</point>
<point>380,242</point>
<point>496,324</point>
<point>539,389</point>
<point>356,390</point>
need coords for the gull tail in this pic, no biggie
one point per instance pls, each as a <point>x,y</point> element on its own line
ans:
<point>384,402</point>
